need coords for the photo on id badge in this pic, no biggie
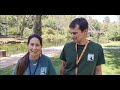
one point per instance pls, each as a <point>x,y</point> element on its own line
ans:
<point>43,70</point>
<point>90,57</point>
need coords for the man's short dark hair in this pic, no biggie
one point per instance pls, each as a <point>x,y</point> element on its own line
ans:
<point>82,22</point>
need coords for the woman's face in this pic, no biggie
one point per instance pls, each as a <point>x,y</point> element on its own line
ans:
<point>34,47</point>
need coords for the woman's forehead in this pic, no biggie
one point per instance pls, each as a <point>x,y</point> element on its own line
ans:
<point>34,39</point>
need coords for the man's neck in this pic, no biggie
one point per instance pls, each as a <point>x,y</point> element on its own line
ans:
<point>83,42</point>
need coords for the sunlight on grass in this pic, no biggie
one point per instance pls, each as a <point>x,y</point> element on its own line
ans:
<point>56,63</point>
<point>7,70</point>
<point>115,43</point>
<point>111,67</point>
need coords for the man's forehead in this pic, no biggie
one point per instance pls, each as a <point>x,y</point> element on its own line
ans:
<point>77,26</point>
<point>75,29</point>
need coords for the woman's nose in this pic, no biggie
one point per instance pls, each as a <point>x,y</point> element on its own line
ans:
<point>34,47</point>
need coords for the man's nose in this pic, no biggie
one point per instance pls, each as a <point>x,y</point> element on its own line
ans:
<point>72,35</point>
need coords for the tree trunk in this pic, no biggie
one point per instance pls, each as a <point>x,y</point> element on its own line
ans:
<point>2,53</point>
<point>37,25</point>
<point>23,26</point>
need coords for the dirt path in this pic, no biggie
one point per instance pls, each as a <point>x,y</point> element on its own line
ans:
<point>7,61</point>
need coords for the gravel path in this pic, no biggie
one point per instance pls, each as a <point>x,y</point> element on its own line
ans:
<point>7,61</point>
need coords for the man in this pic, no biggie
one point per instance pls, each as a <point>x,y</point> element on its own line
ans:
<point>81,57</point>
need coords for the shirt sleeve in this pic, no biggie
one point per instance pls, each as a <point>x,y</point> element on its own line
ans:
<point>14,70</point>
<point>101,59</point>
<point>62,55</point>
<point>51,69</point>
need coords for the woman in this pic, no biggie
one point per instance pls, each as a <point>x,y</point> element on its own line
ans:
<point>34,62</point>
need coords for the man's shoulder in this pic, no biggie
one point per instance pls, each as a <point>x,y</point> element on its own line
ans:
<point>70,44</point>
<point>95,44</point>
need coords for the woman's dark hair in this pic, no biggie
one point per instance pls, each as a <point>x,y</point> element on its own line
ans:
<point>36,36</point>
<point>82,22</point>
<point>23,62</point>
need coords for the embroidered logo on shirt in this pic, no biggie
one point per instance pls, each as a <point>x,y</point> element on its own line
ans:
<point>90,57</point>
<point>43,70</point>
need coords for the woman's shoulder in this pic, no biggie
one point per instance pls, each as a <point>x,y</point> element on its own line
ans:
<point>43,56</point>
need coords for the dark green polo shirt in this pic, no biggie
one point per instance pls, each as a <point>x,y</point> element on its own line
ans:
<point>92,57</point>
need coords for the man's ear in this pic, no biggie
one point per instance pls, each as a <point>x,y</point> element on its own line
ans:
<point>86,30</point>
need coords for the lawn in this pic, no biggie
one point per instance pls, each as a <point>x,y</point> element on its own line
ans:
<point>112,66</point>
<point>9,70</point>
<point>111,44</point>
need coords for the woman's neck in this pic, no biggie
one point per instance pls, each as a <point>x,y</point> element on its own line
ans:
<point>34,58</point>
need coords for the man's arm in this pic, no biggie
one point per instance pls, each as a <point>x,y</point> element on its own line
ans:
<point>62,67</point>
<point>98,70</point>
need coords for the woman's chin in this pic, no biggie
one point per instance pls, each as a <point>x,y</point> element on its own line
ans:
<point>33,55</point>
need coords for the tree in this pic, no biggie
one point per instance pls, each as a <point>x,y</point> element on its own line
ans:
<point>95,24</point>
<point>37,25</point>
<point>118,18</point>
<point>106,23</point>
<point>17,26</point>
<point>106,19</point>
<point>23,26</point>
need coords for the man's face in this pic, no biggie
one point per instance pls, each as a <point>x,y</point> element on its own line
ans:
<point>76,34</point>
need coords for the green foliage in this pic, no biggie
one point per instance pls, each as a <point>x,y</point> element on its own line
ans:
<point>56,25</point>
<point>12,20</point>
<point>95,24</point>
<point>54,35</point>
<point>12,31</point>
<point>114,32</point>
<point>50,23</point>
<point>106,19</point>
<point>104,26</point>
<point>26,34</point>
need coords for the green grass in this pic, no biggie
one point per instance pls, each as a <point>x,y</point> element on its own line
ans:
<point>112,66</point>
<point>56,63</point>
<point>7,71</point>
<point>112,43</point>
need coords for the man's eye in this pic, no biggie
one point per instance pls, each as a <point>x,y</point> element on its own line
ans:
<point>74,33</point>
<point>32,44</point>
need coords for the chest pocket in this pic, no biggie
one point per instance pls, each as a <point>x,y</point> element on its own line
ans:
<point>43,70</point>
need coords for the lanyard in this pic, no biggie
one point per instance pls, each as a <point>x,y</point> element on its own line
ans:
<point>35,67</point>
<point>78,59</point>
